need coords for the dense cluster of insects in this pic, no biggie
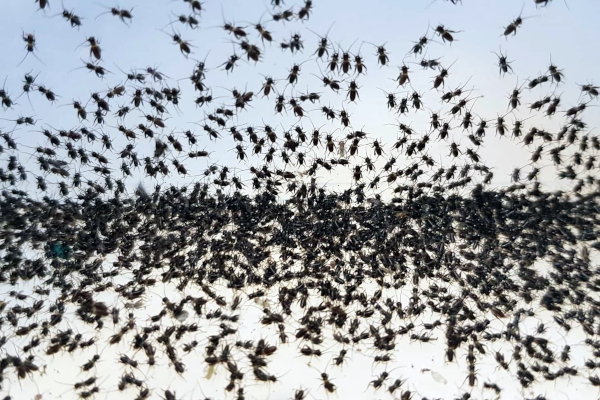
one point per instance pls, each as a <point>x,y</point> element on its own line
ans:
<point>416,252</point>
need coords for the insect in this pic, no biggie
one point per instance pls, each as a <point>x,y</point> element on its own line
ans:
<point>42,4</point>
<point>94,67</point>
<point>555,74</point>
<point>30,46</point>
<point>230,64</point>
<point>353,91</point>
<point>70,16</point>
<point>293,75</point>
<point>439,80</point>
<point>515,101</point>
<point>188,20</point>
<point>252,51</point>
<point>382,55</point>
<point>184,46</point>
<point>403,77</point>
<point>503,64</point>
<point>514,25</point>
<point>445,34</point>
<point>95,49</point>
<point>124,15</point>
<point>329,386</point>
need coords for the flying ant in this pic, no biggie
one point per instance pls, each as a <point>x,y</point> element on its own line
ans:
<point>123,15</point>
<point>70,16</point>
<point>30,40</point>
<point>503,64</point>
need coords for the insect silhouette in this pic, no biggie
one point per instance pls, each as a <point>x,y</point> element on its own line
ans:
<point>30,46</point>
<point>503,63</point>
<point>124,15</point>
<point>514,25</point>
